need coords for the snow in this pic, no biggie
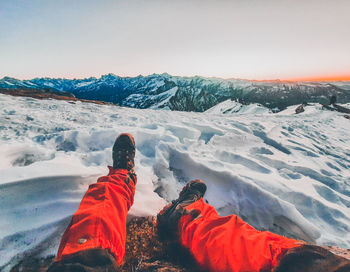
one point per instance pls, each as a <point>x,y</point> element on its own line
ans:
<point>169,94</point>
<point>345,85</point>
<point>232,107</point>
<point>312,108</point>
<point>156,101</point>
<point>83,84</point>
<point>50,84</point>
<point>282,172</point>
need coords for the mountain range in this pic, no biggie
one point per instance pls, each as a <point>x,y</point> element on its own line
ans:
<point>163,91</point>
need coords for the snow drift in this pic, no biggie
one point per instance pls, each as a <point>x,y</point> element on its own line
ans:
<point>281,172</point>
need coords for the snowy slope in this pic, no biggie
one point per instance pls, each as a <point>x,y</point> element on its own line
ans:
<point>281,172</point>
<point>232,107</point>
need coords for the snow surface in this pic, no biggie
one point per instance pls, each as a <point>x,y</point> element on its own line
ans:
<point>282,172</point>
<point>232,107</point>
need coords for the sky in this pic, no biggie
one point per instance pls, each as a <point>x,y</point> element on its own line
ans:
<point>251,39</point>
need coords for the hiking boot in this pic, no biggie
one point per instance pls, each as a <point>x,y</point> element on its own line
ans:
<point>87,260</point>
<point>169,217</point>
<point>124,152</point>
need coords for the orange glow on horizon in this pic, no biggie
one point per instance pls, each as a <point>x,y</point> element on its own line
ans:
<point>322,78</point>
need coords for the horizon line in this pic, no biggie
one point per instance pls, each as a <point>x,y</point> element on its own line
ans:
<point>292,79</point>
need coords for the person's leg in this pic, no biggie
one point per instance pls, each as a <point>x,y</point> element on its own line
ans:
<point>95,238</point>
<point>230,244</point>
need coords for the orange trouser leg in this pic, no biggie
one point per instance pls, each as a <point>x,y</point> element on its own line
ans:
<point>230,244</point>
<point>100,221</point>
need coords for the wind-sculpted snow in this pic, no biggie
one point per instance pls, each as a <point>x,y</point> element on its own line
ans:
<point>281,172</point>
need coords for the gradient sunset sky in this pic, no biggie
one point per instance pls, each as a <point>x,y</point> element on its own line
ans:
<point>252,39</point>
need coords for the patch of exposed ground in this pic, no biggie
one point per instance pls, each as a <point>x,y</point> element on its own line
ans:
<point>47,94</point>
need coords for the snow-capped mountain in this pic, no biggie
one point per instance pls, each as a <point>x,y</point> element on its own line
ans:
<point>12,83</point>
<point>188,93</point>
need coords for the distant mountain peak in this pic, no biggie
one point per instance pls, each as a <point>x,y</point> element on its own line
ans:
<point>109,76</point>
<point>194,93</point>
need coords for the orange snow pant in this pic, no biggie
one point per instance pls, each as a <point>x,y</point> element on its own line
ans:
<point>217,243</point>
<point>100,221</point>
<point>230,244</point>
